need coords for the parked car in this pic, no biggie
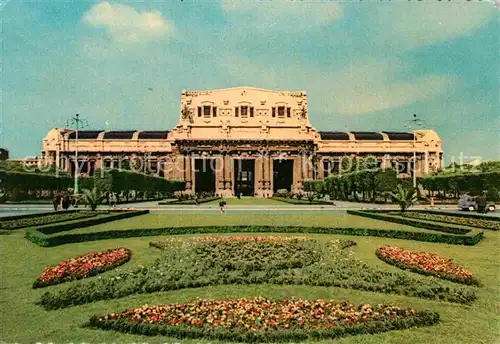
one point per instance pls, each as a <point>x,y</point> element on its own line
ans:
<point>468,203</point>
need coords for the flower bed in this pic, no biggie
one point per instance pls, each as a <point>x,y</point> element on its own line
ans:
<point>181,265</point>
<point>425,263</point>
<point>459,220</point>
<point>84,266</point>
<point>260,319</point>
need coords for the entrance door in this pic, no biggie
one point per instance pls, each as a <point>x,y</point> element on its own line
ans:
<point>244,177</point>
<point>204,175</point>
<point>282,175</point>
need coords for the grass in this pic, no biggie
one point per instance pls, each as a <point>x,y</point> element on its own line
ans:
<point>160,220</point>
<point>21,262</point>
<point>246,201</point>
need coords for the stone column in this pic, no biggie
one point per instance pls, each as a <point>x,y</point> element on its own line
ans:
<point>426,162</point>
<point>218,173</point>
<point>297,174</point>
<point>228,169</point>
<point>258,185</point>
<point>320,174</point>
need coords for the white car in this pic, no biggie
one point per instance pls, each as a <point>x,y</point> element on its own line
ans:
<point>468,203</point>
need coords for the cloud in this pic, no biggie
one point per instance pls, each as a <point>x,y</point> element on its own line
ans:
<point>359,88</point>
<point>282,15</point>
<point>418,24</point>
<point>126,25</point>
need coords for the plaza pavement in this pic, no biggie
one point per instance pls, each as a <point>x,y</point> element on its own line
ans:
<point>18,209</point>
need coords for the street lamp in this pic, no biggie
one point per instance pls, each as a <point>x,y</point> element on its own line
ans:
<point>79,123</point>
<point>411,124</point>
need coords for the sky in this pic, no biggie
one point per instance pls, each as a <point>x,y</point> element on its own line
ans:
<point>366,66</point>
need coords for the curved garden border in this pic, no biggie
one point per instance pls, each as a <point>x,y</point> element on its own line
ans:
<point>416,269</point>
<point>92,272</point>
<point>296,333</point>
<point>41,239</point>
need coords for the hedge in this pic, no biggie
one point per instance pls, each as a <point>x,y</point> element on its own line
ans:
<point>461,181</point>
<point>474,216</point>
<point>51,218</point>
<point>422,318</point>
<point>117,181</point>
<point>56,240</point>
<point>381,215</point>
<point>110,216</point>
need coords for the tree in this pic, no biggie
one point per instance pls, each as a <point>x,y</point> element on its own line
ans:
<point>405,197</point>
<point>92,197</point>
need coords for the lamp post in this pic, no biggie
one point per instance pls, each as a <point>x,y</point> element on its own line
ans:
<point>411,124</point>
<point>79,123</point>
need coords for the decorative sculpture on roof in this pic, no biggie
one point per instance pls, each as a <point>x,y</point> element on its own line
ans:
<point>186,113</point>
<point>303,112</point>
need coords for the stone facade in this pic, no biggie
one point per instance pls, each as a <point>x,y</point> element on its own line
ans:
<point>254,141</point>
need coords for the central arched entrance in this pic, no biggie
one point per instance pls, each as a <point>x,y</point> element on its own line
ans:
<point>282,174</point>
<point>244,174</point>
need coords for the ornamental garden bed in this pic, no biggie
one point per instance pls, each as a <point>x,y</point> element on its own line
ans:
<point>101,217</point>
<point>425,263</point>
<point>84,266</point>
<point>398,217</point>
<point>449,218</point>
<point>22,221</point>
<point>193,263</point>
<point>263,320</point>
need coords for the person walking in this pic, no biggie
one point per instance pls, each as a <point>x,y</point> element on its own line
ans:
<point>112,200</point>
<point>222,204</point>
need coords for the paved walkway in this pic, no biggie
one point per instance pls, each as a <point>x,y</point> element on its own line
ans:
<point>10,209</point>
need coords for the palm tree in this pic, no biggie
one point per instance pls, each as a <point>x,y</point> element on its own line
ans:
<point>92,197</point>
<point>405,197</point>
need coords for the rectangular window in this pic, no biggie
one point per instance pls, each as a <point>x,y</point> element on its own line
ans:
<point>199,111</point>
<point>244,111</point>
<point>274,112</point>
<point>236,113</point>
<point>206,111</point>
<point>215,111</point>
<point>288,112</point>
<point>281,111</point>
<point>251,111</point>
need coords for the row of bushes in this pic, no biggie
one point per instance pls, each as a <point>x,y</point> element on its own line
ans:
<point>460,182</point>
<point>125,181</point>
<point>384,216</point>
<point>18,185</point>
<point>40,239</point>
<point>451,218</point>
<point>44,219</point>
<point>106,216</point>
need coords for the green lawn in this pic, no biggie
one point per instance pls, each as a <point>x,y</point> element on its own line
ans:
<point>21,262</point>
<point>320,219</point>
<point>246,201</point>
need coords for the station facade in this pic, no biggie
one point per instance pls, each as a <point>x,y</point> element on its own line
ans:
<point>242,140</point>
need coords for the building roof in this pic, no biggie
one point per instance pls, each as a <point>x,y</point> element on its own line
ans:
<point>367,135</point>
<point>333,135</point>
<point>396,135</point>
<point>119,135</point>
<point>153,135</point>
<point>85,134</point>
